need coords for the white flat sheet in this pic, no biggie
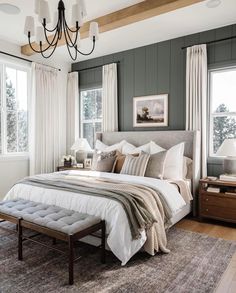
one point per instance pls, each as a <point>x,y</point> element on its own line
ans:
<point>119,236</point>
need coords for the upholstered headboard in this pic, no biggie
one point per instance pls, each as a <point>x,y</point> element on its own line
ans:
<point>165,139</point>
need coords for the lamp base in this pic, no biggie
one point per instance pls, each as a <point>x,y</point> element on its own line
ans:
<point>229,165</point>
<point>80,157</point>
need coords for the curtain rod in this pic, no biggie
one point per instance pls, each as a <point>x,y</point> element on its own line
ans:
<point>211,42</point>
<point>24,59</point>
<point>98,66</point>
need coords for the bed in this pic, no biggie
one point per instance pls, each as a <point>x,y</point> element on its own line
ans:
<point>119,237</point>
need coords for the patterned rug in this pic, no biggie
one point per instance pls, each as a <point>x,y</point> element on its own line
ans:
<point>195,264</point>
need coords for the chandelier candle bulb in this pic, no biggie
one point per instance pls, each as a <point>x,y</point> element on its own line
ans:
<point>94,31</point>
<point>29,26</point>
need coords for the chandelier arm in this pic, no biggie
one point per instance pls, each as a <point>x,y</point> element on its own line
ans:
<point>70,43</point>
<point>54,38</point>
<point>42,51</point>
<point>73,31</point>
<point>52,30</point>
<point>87,54</point>
<point>76,53</point>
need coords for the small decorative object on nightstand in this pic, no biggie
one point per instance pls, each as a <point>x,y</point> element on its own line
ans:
<point>217,200</point>
<point>228,151</point>
<point>67,160</point>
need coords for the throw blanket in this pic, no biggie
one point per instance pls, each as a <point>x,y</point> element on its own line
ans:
<point>142,204</point>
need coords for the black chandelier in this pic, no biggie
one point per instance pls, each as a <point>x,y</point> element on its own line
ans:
<point>60,29</point>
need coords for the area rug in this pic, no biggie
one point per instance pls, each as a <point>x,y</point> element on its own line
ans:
<point>195,264</point>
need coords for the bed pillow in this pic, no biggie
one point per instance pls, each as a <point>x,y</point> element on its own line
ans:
<point>155,148</point>
<point>155,166</point>
<point>100,146</point>
<point>127,148</point>
<point>104,161</point>
<point>135,165</point>
<point>143,148</point>
<point>173,167</point>
<point>120,161</point>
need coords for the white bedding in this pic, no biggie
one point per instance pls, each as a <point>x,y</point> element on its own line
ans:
<point>119,236</point>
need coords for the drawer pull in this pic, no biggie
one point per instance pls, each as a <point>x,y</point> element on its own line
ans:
<point>207,210</point>
<point>207,199</point>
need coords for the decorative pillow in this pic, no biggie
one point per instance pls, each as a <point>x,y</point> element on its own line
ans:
<point>135,165</point>
<point>127,148</point>
<point>143,148</point>
<point>155,148</point>
<point>187,168</point>
<point>155,166</point>
<point>120,161</point>
<point>173,167</point>
<point>104,161</point>
<point>100,146</point>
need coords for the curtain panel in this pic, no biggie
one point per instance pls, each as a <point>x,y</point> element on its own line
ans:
<point>44,120</point>
<point>109,98</point>
<point>196,97</point>
<point>73,114</point>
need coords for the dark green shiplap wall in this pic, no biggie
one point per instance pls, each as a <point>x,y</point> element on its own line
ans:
<point>156,69</point>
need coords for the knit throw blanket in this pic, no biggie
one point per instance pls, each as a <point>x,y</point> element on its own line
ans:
<point>142,204</point>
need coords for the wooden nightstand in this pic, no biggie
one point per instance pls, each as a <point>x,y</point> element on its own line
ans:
<point>63,168</point>
<point>219,206</point>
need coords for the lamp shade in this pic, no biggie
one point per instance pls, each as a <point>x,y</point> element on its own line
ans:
<point>44,12</point>
<point>94,30</point>
<point>81,144</point>
<point>228,148</point>
<point>82,7</point>
<point>40,37</point>
<point>29,26</point>
<point>77,15</point>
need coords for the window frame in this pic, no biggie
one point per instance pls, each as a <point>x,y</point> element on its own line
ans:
<point>4,156</point>
<point>210,112</point>
<point>86,121</point>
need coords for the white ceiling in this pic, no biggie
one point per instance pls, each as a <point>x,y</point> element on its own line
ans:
<point>178,23</point>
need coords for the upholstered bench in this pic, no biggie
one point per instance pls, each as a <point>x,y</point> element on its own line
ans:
<point>54,221</point>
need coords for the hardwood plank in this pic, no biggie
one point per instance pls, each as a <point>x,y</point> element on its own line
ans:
<point>123,17</point>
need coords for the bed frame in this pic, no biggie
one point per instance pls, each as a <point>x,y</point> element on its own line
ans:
<point>165,139</point>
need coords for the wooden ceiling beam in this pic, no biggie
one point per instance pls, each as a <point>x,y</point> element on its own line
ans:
<point>123,17</point>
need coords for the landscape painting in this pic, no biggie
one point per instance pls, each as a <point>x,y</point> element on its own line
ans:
<point>150,111</point>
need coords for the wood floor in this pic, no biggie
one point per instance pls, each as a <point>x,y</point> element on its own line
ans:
<point>228,280</point>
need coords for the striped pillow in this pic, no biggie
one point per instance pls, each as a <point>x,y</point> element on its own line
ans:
<point>135,165</point>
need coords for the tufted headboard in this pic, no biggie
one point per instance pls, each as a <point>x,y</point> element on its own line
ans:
<point>165,139</point>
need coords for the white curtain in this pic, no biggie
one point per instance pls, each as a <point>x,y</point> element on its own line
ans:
<point>44,120</point>
<point>196,97</point>
<point>109,98</point>
<point>72,110</point>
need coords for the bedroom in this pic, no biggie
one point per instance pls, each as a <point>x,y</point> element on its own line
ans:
<point>139,80</point>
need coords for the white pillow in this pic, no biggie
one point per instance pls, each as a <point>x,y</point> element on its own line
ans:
<point>127,148</point>
<point>143,148</point>
<point>100,146</point>
<point>174,162</point>
<point>155,148</point>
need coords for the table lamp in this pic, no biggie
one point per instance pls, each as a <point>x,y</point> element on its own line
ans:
<point>81,148</point>
<point>228,150</point>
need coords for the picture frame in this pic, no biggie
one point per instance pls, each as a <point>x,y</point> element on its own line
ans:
<point>150,111</point>
<point>87,163</point>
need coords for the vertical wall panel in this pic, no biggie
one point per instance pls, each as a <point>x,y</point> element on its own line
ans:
<point>139,72</point>
<point>163,70</point>
<point>151,70</point>
<point>223,49</point>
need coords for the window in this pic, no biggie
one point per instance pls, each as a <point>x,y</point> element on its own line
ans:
<point>222,106</point>
<point>91,114</point>
<point>14,112</point>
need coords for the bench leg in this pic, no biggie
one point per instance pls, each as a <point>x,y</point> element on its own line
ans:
<point>71,260</point>
<point>19,230</point>
<point>103,246</point>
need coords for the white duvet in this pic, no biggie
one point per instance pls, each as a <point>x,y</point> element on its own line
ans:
<point>119,236</point>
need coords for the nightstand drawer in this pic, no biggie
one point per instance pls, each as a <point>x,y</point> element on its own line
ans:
<point>218,212</point>
<point>219,201</point>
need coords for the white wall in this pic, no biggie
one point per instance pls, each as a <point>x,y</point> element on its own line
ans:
<point>13,169</point>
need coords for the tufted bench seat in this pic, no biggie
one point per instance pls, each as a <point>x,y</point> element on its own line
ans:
<point>54,221</point>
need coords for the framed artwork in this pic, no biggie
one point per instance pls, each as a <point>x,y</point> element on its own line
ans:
<point>150,111</point>
<point>87,163</point>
